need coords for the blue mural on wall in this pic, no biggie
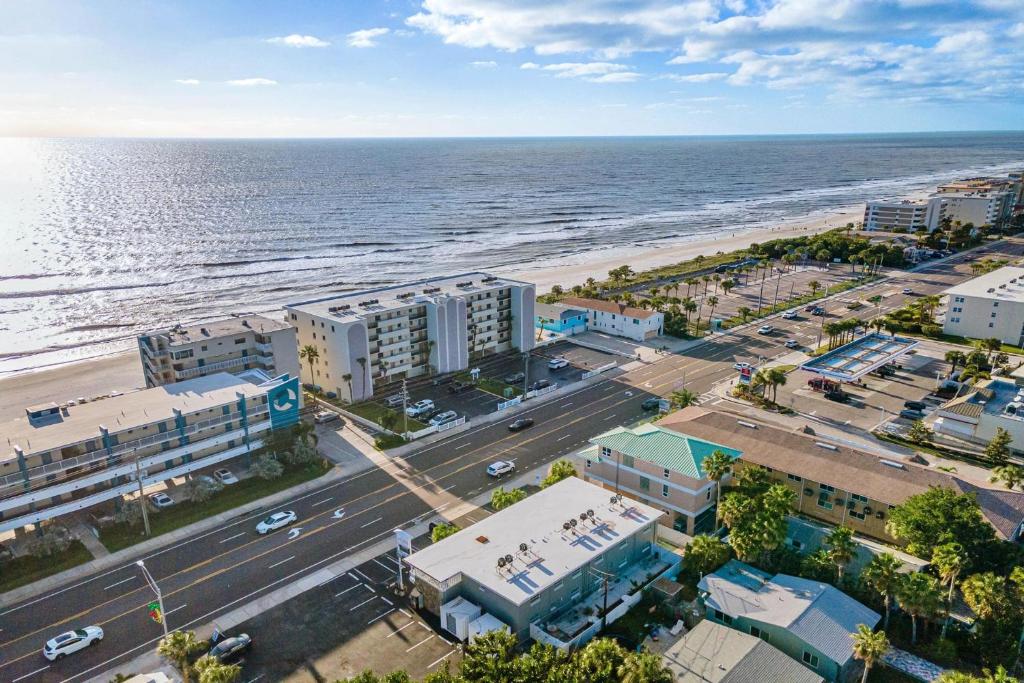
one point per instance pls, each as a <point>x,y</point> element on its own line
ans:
<point>284,403</point>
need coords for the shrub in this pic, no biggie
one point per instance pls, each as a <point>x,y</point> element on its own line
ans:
<point>201,490</point>
<point>130,512</point>
<point>54,540</point>
<point>931,330</point>
<point>442,531</point>
<point>267,467</point>
<point>502,499</point>
<point>942,652</point>
<point>301,454</point>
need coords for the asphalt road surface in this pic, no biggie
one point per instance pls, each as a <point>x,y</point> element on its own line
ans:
<point>219,570</point>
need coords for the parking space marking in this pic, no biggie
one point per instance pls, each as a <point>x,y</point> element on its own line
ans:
<point>363,575</point>
<point>440,659</point>
<point>381,564</point>
<point>30,674</point>
<point>130,578</point>
<point>404,612</point>
<point>350,588</point>
<point>369,588</point>
<point>368,600</point>
<point>380,616</point>
<point>371,522</point>
<point>321,502</point>
<point>231,538</point>
<point>387,601</point>
<point>430,637</point>
<point>278,564</point>
<point>401,628</point>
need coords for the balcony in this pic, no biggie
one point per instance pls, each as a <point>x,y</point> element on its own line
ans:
<point>152,353</point>
<point>267,349</point>
<point>199,371</point>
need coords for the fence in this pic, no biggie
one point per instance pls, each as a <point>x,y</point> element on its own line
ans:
<point>597,371</point>
<point>502,405</point>
<point>541,392</point>
<point>433,429</point>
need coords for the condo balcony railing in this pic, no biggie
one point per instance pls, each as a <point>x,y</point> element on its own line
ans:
<point>188,373</point>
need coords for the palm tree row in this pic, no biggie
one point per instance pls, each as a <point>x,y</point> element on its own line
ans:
<point>841,331</point>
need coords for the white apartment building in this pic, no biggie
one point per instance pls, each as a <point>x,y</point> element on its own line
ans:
<point>432,326</point>
<point>233,345</point>
<point>620,320</point>
<point>898,215</point>
<point>991,305</point>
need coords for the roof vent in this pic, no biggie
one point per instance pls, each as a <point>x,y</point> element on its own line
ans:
<point>482,539</point>
<point>431,290</point>
<point>894,464</point>
<point>826,446</point>
<point>748,425</point>
<point>991,290</point>
<point>462,285</point>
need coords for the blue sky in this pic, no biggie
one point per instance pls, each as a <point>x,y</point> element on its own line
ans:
<point>508,67</point>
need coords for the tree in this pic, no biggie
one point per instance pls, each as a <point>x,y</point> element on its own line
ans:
<point>177,647</point>
<point>999,676</point>
<point>683,398</point>
<point>267,467</point>
<point>869,647</point>
<point>201,490</point>
<point>716,466</point>
<point>54,540</point>
<point>727,286</point>
<point>644,667</point>
<point>919,432</point>
<point>442,531</point>
<point>309,354</point>
<point>347,379</point>
<point>841,548</point>
<point>920,596</point>
<point>212,670</point>
<point>757,524</point>
<point>998,448</point>
<point>1010,476</point>
<point>361,361</point>
<point>939,516</point>
<point>950,561</point>
<point>712,302</point>
<point>814,286</point>
<point>502,499</point>
<point>704,554</point>
<point>745,312</point>
<point>491,657</point>
<point>389,419</point>
<point>301,454</point>
<point>130,512</point>
<point>599,661</point>
<point>882,574</point>
<point>955,358</point>
<point>560,469</point>
<point>986,594</point>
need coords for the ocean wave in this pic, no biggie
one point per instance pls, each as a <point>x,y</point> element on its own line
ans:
<point>66,291</point>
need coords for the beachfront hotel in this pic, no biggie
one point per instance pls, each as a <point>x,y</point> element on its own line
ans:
<point>57,460</point>
<point>235,345</point>
<point>907,215</point>
<point>991,305</point>
<point>374,337</point>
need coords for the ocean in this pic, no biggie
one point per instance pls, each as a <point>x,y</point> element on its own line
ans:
<point>106,238</point>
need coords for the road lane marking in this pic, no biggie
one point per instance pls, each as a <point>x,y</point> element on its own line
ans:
<point>402,628</point>
<point>371,522</point>
<point>350,588</point>
<point>321,502</point>
<point>380,616</point>
<point>563,438</point>
<point>610,417</point>
<point>565,405</point>
<point>176,608</point>
<point>462,446</point>
<point>231,538</point>
<point>119,583</point>
<point>20,678</point>
<point>278,564</point>
<point>353,609</point>
<point>430,637</point>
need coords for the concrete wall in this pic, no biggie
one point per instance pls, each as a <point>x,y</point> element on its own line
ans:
<point>523,300</point>
<point>978,318</point>
<point>446,325</point>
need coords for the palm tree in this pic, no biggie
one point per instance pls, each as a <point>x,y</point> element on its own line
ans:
<point>310,354</point>
<point>212,670</point>
<point>644,667</point>
<point>985,594</point>
<point>776,379</point>
<point>891,326</point>
<point>707,281</point>
<point>920,596</point>
<point>717,279</point>
<point>728,285</point>
<point>883,575</point>
<point>712,301</point>
<point>690,307</point>
<point>950,560</point>
<point>362,375</point>
<point>955,358</point>
<point>815,286</point>
<point>683,398</point>
<point>177,647</point>
<point>689,282</point>
<point>745,312</point>
<point>870,647</point>
<point>974,374</point>
<point>1010,476</point>
<point>715,467</point>
<point>877,323</point>
<point>842,548</point>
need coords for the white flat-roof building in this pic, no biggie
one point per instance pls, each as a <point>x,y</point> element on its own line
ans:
<point>898,215</point>
<point>64,459</point>
<point>993,208</point>
<point>378,336</point>
<point>990,305</point>
<point>533,565</point>
<point>234,345</point>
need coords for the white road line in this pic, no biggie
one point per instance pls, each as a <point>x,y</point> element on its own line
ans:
<point>253,680</point>
<point>401,628</point>
<point>353,576</point>
<point>231,538</point>
<point>404,612</point>
<point>381,564</point>
<point>176,608</point>
<point>353,609</point>
<point>321,502</point>
<point>371,522</point>
<point>386,600</point>
<point>565,405</point>
<point>350,588</point>
<point>440,659</point>
<point>430,637</point>
<point>130,578</point>
<point>369,588</point>
<point>363,575</point>
<point>449,488</point>
<point>380,616</point>
<point>278,564</point>
<point>563,438</point>
<point>462,446</point>
<point>438,508</point>
<point>610,417</point>
<point>31,674</point>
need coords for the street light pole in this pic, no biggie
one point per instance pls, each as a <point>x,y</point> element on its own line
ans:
<point>156,589</point>
<point>142,499</point>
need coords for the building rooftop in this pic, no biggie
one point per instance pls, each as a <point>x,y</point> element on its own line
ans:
<point>551,552</point>
<point>852,361</point>
<point>556,311</point>
<point>225,327</point>
<point>817,613</point>
<point>712,653</point>
<point>609,307</point>
<point>666,448</point>
<point>356,305</point>
<point>1002,284</point>
<point>119,413</point>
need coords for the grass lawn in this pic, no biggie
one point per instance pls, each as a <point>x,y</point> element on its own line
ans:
<point>373,411</point>
<point>118,536</point>
<point>497,387</point>
<point>23,570</point>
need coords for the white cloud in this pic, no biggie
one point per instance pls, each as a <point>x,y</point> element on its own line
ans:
<point>186,81</point>
<point>484,65</point>
<point>698,78</point>
<point>595,72</point>
<point>296,40</point>
<point>1016,31</point>
<point>251,82</point>
<point>366,37</point>
<point>529,65</point>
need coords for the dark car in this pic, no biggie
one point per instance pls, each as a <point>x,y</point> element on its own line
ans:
<point>838,396</point>
<point>651,404</point>
<point>515,378</point>
<point>818,311</point>
<point>457,387</point>
<point>919,406</point>
<point>520,424</point>
<point>231,648</point>
<point>911,414</point>
<point>540,384</point>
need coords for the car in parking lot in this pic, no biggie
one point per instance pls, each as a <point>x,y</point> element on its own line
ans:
<point>458,386</point>
<point>540,384</point>
<point>911,414</point>
<point>514,378</point>
<point>765,329</point>
<point>393,401</point>
<point>161,500</point>
<point>444,418</point>
<point>557,363</point>
<point>792,344</point>
<point>741,366</point>
<point>276,521</point>
<point>230,649</point>
<point>653,403</point>
<point>500,468</point>
<point>325,416</point>
<point>224,476</point>
<point>818,310</point>
<point>915,405</point>
<point>908,290</point>
<point>811,308</point>
<point>838,396</point>
<point>520,424</point>
<point>72,641</point>
<point>790,315</point>
<point>420,408</point>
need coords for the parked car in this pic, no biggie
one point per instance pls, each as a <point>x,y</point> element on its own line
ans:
<point>540,384</point>
<point>811,308</point>
<point>230,649</point>
<point>420,408</point>
<point>276,521</point>
<point>911,414</point>
<point>72,641</point>
<point>161,500</point>
<point>444,418</point>
<point>837,396</point>
<point>653,403</point>
<point>458,386</point>
<point>224,476</point>
<point>790,315</point>
<point>520,424</point>
<point>818,310</point>
<point>393,401</point>
<point>765,329</point>
<point>514,378</point>
<point>792,344</point>
<point>500,468</point>
<point>908,290</point>
<point>325,416</point>
<point>741,366</point>
<point>557,363</point>
<point>915,405</point>
<point>822,384</point>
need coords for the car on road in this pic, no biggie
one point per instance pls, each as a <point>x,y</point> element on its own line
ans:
<point>161,500</point>
<point>420,408</point>
<point>557,363</point>
<point>765,329</point>
<point>653,403</point>
<point>908,290</point>
<point>790,315</point>
<point>72,641</point>
<point>276,521</point>
<point>792,344</point>
<point>741,366</point>
<point>915,405</point>
<point>458,386</point>
<point>514,378</point>
<point>540,384</point>
<point>325,416</point>
<point>500,468</point>
<point>444,418</point>
<point>520,424</point>
<point>224,476</point>
<point>393,401</point>
<point>911,414</point>
<point>230,649</point>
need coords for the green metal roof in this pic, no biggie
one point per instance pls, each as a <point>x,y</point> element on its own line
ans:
<point>672,450</point>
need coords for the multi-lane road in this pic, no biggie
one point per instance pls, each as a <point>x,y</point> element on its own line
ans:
<point>219,570</point>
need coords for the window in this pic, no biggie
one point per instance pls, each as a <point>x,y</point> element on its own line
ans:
<point>995,304</point>
<point>635,321</point>
<point>240,340</point>
<point>606,452</point>
<point>667,472</point>
<point>708,496</point>
<point>664,490</point>
<point>535,600</point>
<point>993,315</point>
<point>755,631</point>
<point>588,463</point>
<point>857,515</point>
<point>990,324</point>
<point>627,460</point>
<point>793,477</point>
<point>858,497</point>
<point>645,484</point>
<point>823,501</point>
<point>810,659</point>
<point>826,487</point>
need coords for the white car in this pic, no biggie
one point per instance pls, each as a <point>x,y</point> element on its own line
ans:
<point>765,329</point>
<point>908,290</point>
<point>161,500</point>
<point>276,521</point>
<point>741,366</point>
<point>501,468</point>
<point>790,315</point>
<point>557,363</point>
<point>443,418</point>
<point>420,407</point>
<point>792,344</point>
<point>72,641</point>
<point>224,476</point>
<point>325,416</point>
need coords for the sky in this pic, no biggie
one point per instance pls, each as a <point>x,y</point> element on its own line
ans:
<point>356,68</point>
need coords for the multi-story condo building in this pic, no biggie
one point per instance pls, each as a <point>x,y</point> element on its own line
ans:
<point>61,459</point>
<point>233,345</point>
<point>910,216</point>
<point>378,336</point>
<point>990,305</point>
<point>992,209</point>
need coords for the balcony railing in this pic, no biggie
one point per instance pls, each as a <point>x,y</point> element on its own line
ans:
<point>212,367</point>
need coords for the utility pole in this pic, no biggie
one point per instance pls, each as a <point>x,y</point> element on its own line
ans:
<point>526,371</point>
<point>405,408</point>
<point>759,295</point>
<point>778,281</point>
<point>142,499</point>
<point>156,589</point>
<point>821,328</point>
